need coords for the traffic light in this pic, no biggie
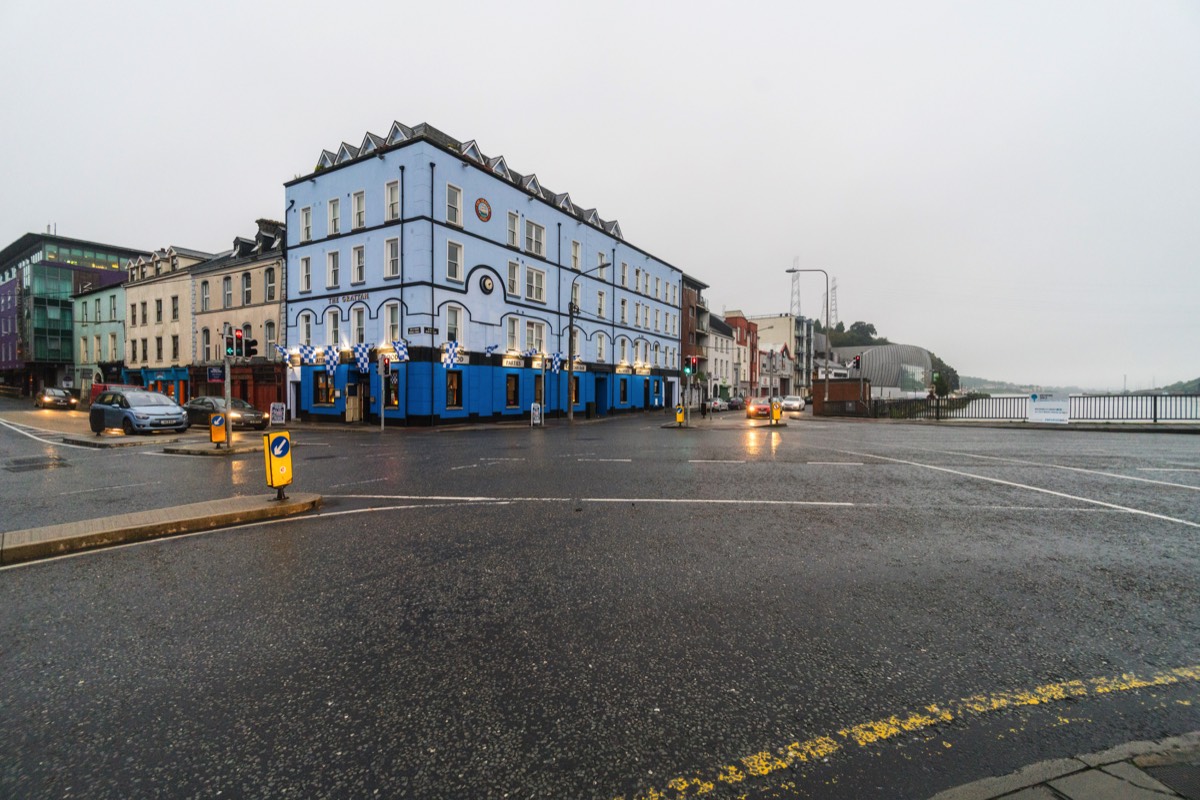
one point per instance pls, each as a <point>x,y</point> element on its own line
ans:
<point>229,344</point>
<point>857,362</point>
<point>695,364</point>
<point>687,365</point>
<point>250,348</point>
<point>237,342</point>
<point>385,365</point>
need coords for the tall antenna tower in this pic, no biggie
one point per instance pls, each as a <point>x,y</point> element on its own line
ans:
<point>795,305</point>
<point>833,312</point>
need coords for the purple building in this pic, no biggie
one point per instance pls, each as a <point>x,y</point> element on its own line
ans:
<point>39,274</point>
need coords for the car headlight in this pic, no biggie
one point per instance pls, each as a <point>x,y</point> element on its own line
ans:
<point>74,401</point>
<point>142,416</point>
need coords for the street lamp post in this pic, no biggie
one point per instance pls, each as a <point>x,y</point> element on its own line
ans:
<point>794,270</point>
<point>572,310</point>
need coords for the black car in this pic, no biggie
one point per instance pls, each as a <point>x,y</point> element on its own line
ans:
<point>244,415</point>
<point>55,398</point>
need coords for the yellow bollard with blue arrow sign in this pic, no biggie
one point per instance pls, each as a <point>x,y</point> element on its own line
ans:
<point>277,453</point>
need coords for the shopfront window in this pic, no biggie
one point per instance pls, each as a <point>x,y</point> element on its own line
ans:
<point>454,388</point>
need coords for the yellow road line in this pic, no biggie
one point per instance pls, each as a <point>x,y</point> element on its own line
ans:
<point>767,762</point>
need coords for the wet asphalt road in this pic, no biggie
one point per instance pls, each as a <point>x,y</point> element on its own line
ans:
<point>606,611</point>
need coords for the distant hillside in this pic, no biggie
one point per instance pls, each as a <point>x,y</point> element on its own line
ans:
<point>970,384</point>
<point>1183,387</point>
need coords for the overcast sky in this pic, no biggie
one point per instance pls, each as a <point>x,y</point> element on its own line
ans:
<point>1012,185</point>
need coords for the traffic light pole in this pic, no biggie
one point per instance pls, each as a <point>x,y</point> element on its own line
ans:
<point>228,392</point>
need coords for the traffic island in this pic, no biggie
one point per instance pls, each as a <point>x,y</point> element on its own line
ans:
<point>34,544</point>
<point>206,449</point>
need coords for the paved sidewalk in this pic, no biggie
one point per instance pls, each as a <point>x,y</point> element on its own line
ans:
<point>1135,771</point>
<point>37,543</point>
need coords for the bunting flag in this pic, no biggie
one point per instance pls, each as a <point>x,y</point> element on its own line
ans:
<point>556,363</point>
<point>362,356</point>
<point>401,349</point>
<point>308,354</point>
<point>579,356</point>
<point>450,355</point>
<point>283,353</point>
<point>331,359</point>
<point>491,348</point>
<point>530,353</point>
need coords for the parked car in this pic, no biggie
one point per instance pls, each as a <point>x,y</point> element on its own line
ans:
<point>136,411</point>
<point>758,407</point>
<point>718,404</point>
<point>98,388</point>
<point>243,415</point>
<point>53,397</point>
<point>737,403</point>
<point>793,402</point>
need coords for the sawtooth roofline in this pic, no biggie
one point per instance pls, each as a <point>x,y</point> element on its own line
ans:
<point>402,136</point>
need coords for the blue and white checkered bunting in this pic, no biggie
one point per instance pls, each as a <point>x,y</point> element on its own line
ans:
<point>362,356</point>
<point>283,353</point>
<point>556,363</point>
<point>331,359</point>
<point>401,349</point>
<point>530,353</point>
<point>450,356</point>
<point>308,354</point>
<point>491,348</point>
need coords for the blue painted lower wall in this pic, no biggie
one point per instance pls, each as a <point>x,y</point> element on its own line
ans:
<point>423,393</point>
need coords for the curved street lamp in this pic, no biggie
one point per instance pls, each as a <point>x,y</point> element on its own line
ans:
<point>794,270</point>
<point>572,310</point>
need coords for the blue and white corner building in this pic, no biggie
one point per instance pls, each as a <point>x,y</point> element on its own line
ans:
<point>418,243</point>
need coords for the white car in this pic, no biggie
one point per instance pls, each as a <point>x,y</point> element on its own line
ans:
<point>718,404</point>
<point>793,402</point>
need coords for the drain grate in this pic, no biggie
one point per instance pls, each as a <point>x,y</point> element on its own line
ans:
<point>1183,778</point>
<point>32,463</point>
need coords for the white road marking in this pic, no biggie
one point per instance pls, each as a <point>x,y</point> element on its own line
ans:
<point>1076,469</point>
<point>357,483</point>
<point>835,463</point>
<point>110,488</point>
<point>16,429</point>
<point>1015,485</point>
<point>1167,469</point>
<point>501,459</point>
<point>734,501</point>
<point>615,460</point>
<point>713,461</point>
<point>466,466</point>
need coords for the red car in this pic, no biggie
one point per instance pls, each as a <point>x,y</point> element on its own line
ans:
<point>758,407</point>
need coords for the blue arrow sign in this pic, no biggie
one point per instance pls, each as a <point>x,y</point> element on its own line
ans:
<point>279,447</point>
<point>218,420</point>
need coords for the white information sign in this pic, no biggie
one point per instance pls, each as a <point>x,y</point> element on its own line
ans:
<point>535,414</point>
<point>1049,408</point>
<point>278,413</point>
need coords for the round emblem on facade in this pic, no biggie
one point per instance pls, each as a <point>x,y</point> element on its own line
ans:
<point>483,209</point>
<point>486,284</point>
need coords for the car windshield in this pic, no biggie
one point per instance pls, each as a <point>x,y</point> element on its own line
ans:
<point>142,399</point>
<point>240,403</point>
<point>55,393</point>
<point>792,397</point>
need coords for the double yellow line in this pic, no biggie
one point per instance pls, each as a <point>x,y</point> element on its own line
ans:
<point>767,762</point>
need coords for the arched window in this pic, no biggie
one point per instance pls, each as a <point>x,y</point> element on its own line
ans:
<point>269,284</point>
<point>305,324</point>
<point>204,295</point>
<point>246,295</point>
<point>269,335</point>
<point>205,343</point>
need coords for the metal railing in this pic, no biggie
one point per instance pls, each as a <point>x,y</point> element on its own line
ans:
<point>1083,408</point>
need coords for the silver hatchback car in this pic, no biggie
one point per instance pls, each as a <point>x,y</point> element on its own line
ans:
<point>136,411</point>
